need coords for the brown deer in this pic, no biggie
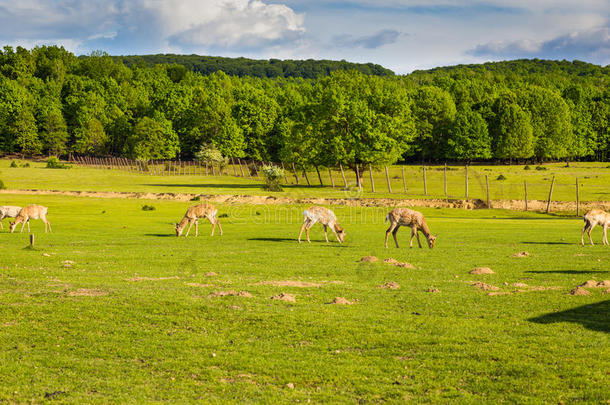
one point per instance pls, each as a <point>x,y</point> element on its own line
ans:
<point>192,216</point>
<point>592,218</point>
<point>32,211</point>
<point>413,219</point>
<point>9,211</point>
<point>324,216</point>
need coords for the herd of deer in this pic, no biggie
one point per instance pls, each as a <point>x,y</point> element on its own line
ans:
<point>397,217</point>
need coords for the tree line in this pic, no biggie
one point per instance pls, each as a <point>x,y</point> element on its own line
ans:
<point>52,102</point>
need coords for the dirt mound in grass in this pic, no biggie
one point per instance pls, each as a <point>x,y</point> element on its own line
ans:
<point>395,262</point>
<point>433,290</point>
<point>138,278</point>
<point>284,297</point>
<point>230,293</point>
<point>579,291</point>
<point>342,301</point>
<point>210,274</point>
<point>290,283</point>
<point>492,293</point>
<point>391,285</point>
<point>521,254</point>
<point>369,259</point>
<point>520,285</point>
<point>485,286</point>
<point>603,283</point>
<point>589,284</point>
<point>199,285</point>
<point>87,292</point>
<point>481,270</point>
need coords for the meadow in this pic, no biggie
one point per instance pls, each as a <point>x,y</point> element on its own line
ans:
<point>112,307</point>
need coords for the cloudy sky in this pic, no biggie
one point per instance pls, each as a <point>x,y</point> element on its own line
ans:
<point>402,35</point>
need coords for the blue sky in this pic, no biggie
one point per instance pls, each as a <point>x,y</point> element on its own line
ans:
<point>402,35</point>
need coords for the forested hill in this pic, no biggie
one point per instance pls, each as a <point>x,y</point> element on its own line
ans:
<point>272,68</point>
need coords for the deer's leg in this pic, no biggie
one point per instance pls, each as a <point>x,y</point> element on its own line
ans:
<point>605,238</point>
<point>213,221</point>
<point>189,229</point>
<point>219,227</point>
<point>582,234</point>
<point>28,222</point>
<point>418,242</point>
<point>1,218</point>
<point>301,231</point>
<point>413,233</point>
<point>326,234</point>
<point>307,231</point>
<point>196,227</point>
<point>387,233</point>
<point>22,225</point>
<point>589,232</point>
<point>394,233</point>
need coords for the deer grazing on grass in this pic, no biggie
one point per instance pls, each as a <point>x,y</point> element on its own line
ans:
<point>592,218</point>
<point>415,220</point>
<point>32,211</point>
<point>324,216</point>
<point>8,211</point>
<point>192,216</point>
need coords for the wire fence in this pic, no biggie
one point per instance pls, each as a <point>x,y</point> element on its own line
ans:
<point>525,190</point>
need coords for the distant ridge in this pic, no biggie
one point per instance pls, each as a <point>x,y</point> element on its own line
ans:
<point>271,68</point>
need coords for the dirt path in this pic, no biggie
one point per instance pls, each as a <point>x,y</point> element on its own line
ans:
<point>533,205</point>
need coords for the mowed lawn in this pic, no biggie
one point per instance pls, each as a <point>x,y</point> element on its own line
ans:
<point>112,307</point>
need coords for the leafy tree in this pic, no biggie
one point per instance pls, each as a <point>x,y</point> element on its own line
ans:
<point>434,111</point>
<point>91,138</point>
<point>25,133</point>
<point>54,132</point>
<point>468,138</point>
<point>512,132</point>
<point>153,138</point>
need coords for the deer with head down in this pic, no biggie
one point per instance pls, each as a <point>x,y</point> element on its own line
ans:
<point>413,219</point>
<point>324,216</point>
<point>592,218</point>
<point>192,216</point>
<point>32,211</point>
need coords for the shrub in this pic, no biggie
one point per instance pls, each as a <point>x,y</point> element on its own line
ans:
<point>224,215</point>
<point>54,163</point>
<point>148,208</point>
<point>501,177</point>
<point>527,167</point>
<point>196,198</point>
<point>2,186</point>
<point>27,164</point>
<point>14,164</point>
<point>210,154</point>
<point>273,176</point>
<point>541,168</point>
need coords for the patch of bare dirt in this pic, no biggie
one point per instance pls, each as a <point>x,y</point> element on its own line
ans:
<point>284,297</point>
<point>521,285</point>
<point>481,270</point>
<point>433,290</point>
<point>579,291</point>
<point>579,254</point>
<point>391,285</point>
<point>521,254</point>
<point>138,278</point>
<point>499,293</point>
<point>87,292</point>
<point>342,301</point>
<point>369,259</point>
<point>485,286</point>
<point>199,285</point>
<point>539,288</point>
<point>603,283</point>
<point>68,263</point>
<point>210,274</point>
<point>589,284</point>
<point>230,293</point>
<point>395,262</point>
<point>290,283</point>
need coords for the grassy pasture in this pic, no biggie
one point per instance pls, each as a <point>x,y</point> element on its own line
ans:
<point>594,179</point>
<point>132,320</point>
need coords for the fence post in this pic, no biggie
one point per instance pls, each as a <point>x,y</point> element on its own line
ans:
<point>387,177</point>
<point>32,240</point>
<point>577,199</point>
<point>445,179</point>
<point>466,178</point>
<point>330,174</point>
<point>371,175</point>
<point>404,182</point>
<point>548,205</point>
<point>525,186</point>
<point>487,184</point>
<point>296,176</point>
<point>343,175</point>
<point>425,182</point>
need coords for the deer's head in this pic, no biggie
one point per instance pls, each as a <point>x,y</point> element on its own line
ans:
<point>12,226</point>
<point>431,241</point>
<point>340,233</point>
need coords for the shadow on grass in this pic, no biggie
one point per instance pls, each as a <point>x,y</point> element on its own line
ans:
<point>593,316</point>
<point>568,271</point>
<point>550,243</point>
<point>206,185</point>
<point>161,235</point>
<point>329,244</point>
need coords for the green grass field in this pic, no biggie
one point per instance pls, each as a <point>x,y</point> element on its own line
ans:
<point>132,318</point>
<point>594,180</point>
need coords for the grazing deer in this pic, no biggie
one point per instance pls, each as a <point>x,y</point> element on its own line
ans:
<point>8,211</point>
<point>192,216</point>
<point>324,216</point>
<point>414,220</point>
<point>32,211</point>
<point>592,218</point>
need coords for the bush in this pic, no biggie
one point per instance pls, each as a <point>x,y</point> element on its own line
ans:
<point>223,216</point>
<point>210,154</point>
<point>196,198</point>
<point>14,164</point>
<point>148,208</point>
<point>541,168</point>
<point>273,177</point>
<point>54,163</point>
<point>27,164</point>
<point>501,177</point>
<point>2,186</point>
<point>527,167</point>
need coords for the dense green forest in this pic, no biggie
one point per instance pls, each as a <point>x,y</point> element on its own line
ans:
<point>307,69</point>
<point>52,102</point>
